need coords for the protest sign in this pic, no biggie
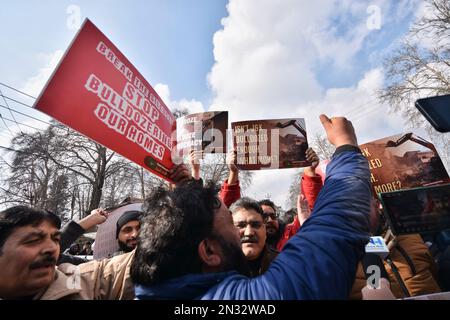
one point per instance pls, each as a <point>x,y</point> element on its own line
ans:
<point>403,161</point>
<point>270,144</point>
<point>206,131</point>
<point>96,91</point>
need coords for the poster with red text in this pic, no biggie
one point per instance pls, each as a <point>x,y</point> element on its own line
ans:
<point>96,91</point>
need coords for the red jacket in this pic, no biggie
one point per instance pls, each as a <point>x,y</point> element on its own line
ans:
<point>230,193</point>
<point>310,188</point>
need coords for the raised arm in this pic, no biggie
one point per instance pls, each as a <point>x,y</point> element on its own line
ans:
<point>319,262</point>
<point>194,161</point>
<point>231,190</point>
<point>73,230</point>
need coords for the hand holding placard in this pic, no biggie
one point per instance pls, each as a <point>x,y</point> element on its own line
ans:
<point>180,174</point>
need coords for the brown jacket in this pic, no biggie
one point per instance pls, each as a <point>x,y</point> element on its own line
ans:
<point>107,279</point>
<point>415,266</point>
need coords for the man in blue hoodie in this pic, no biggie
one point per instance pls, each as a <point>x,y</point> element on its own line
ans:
<point>189,248</point>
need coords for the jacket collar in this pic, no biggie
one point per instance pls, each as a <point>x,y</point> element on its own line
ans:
<point>62,286</point>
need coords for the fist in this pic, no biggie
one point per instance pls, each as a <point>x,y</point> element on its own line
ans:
<point>195,156</point>
<point>312,157</point>
<point>231,161</point>
<point>180,174</point>
<point>339,131</point>
<point>98,216</point>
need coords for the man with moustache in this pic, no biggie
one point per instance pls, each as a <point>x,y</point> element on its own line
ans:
<point>29,250</point>
<point>189,247</point>
<point>248,218</point>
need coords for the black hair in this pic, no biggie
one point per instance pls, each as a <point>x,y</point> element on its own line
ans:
<point>20,216</point>
<point>267,202</point>
<point>247,204</point>
<point>172,226</point>
<point>290,215</point>
<point>127,216</point>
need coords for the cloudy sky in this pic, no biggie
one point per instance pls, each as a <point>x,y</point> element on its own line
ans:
<point>255,58</point>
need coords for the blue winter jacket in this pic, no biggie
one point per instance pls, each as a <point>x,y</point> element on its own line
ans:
<point>319,262</point>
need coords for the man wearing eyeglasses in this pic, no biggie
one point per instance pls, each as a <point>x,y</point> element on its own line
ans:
<point>248,217</point>
<point>274,227</point>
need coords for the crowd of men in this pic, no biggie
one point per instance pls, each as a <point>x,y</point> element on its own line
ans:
<point>198,241</point>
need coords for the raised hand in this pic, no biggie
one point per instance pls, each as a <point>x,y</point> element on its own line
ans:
<point>339,131</point>
<point>97,216</point>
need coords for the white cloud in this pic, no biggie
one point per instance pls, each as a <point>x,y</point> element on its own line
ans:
<point>265,59</point>
<point>267,50</point>
<point>273,183</point>
<point>32,86</point>
<point>370,119</point>
<point>359,104</point>
<point>193,106</point>
<point>35,84</point>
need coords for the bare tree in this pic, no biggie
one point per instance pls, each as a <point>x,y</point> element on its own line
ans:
<point>58,166</point>
<point>178,113</point>
<point>30,172</point>
<point>322,146</point>
<point>294,189</point>
<point>420,67</point>
<point>324,150</point>
<point>59,194</point>
<point>215,169</point>
<point>86,158</point>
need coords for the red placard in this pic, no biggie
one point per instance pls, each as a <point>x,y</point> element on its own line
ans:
<point>96,91</point>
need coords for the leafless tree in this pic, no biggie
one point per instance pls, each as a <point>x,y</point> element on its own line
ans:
<point>324,150</point>
<point>215,169</point>
<point>420,67</point>
<point>294,189</point>
<point>321,146</point>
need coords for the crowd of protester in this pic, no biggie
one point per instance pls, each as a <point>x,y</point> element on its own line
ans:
<point>196,240</point>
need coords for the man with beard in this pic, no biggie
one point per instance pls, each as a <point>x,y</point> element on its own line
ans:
<point>189,247</point>
<point>248,218</point>
<point>127,231</point>
<point>274,227</point>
